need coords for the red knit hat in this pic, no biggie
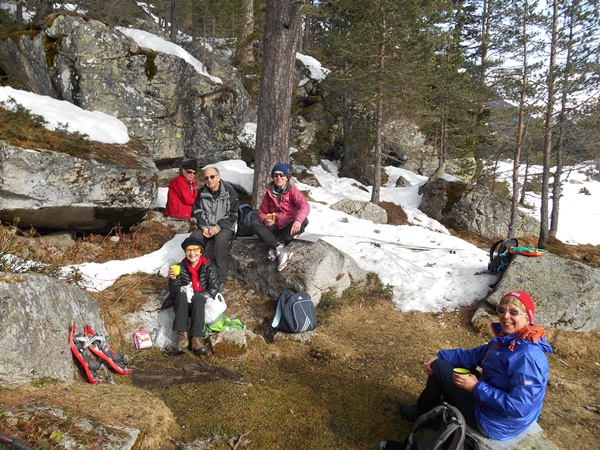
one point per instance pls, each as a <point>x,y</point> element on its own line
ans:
<point>526,300</point>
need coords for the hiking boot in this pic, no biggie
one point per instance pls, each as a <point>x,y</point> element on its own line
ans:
<point>410,411</point>
<point>284,254</point>
<point>391,445</point>
<point>198,346</point>
<point>182,342</point>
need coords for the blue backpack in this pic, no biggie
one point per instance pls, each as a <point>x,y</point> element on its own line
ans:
<point>295,313</point>
<point>245,217</point>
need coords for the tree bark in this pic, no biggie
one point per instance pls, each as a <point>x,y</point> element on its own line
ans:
<point>46,7</point>
<point>282,25</point>
<point>245,52</point>
<point>379,119</point>
<point>543,239</point>
<point>173,18</point>
<point>512,228</point>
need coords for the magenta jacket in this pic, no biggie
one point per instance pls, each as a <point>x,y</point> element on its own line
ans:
<point>291,205</point>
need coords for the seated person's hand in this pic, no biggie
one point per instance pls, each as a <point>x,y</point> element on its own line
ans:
<point>467,382</point>
<point>428,364</point>
<point>295,227</point>
<point>172,275</point>
<point>206,232</point>
<point>270,219</point>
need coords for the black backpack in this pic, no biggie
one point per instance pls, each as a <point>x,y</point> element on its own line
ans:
<point>295,313</point>
<point>500,254</point>
<point>442,428</point>
<point>245,218</point>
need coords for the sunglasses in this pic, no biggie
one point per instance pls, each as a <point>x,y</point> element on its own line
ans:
<point>210,177</point>
<point>192,250</point>
<point>279,175</point>
<point>513,312</point>
<point>191,172</point>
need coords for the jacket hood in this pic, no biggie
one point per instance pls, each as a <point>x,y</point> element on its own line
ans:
<point>534,334</point>
<point>270,186</point>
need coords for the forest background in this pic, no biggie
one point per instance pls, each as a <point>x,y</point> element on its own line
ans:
<point>483,80</point>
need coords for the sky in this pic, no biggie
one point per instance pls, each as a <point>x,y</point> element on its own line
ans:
<point>448,274</point>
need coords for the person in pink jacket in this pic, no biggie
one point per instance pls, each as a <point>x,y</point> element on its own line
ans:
<point>182,192</point>
<point>282,215</point>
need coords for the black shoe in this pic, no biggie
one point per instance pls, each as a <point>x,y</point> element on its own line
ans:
<point>409,411</point>
<point>391,445</point>
<point>198,346</point>
<point>201,351</point>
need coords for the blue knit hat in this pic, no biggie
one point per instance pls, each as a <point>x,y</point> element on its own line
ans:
<point>281,167</point>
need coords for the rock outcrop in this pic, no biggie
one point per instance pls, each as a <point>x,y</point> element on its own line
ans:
<point>566,293</point>
<point>36,312</point>
<point>476,209</point>
<point>52,190</point>
<point>362,210</point>
<point>164,100</point>
<point>314,268</point>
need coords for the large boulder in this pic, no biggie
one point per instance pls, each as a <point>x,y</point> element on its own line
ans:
<point>362,210</point>
<point>53,190</point>
<point>566,293</point>
<point>176,110</point>
<point>314,268</point>
<point>456,205</point>
<point>36,312</point>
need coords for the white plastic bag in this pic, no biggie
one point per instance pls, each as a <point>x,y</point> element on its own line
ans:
<point>214,309</point>
<point>189,291</point>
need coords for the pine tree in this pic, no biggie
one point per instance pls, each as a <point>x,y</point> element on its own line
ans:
<point>282,27</point>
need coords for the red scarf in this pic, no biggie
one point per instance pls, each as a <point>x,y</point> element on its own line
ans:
<point>196,285</point>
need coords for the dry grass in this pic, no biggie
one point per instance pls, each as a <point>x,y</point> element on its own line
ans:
<point>23,129</point>
<point>339,391</point>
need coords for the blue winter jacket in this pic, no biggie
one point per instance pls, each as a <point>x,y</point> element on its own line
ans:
<point>509,395</point>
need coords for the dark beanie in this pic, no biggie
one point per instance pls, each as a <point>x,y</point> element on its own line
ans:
<point>190,164</point>
<point>281,167</point>
<point>191,240</point>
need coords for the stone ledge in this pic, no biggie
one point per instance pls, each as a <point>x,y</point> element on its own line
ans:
<point>530,439</point>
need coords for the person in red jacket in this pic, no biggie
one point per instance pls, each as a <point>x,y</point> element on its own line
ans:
<point>182,192</point>
<point>282,215</point>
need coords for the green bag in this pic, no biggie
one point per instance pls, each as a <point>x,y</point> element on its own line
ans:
<point>224,323</point>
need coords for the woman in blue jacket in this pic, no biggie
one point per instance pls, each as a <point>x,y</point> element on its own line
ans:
<point>506,397</point>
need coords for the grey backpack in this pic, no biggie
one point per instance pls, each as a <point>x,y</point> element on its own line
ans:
<point>442,428</point>
<point>295,313</point>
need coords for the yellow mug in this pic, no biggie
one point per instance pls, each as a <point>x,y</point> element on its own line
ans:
<point>176,269</point>
<point>462,371</point>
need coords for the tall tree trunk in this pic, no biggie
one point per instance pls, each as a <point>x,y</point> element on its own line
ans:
<point>19,11</point>
<point>379,118</point>
<point>173,19</point>
<point>245,51</point>
<point>562,119</point>
<point>282,25</point>
<point>512,228</point>
<point>194,21</point>
<point>525,177</point>
<point>543,239</point>
<point>378,146</point>
<point>46,7</point>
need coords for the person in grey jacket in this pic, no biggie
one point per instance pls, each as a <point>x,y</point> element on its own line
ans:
<point>216,213</point>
